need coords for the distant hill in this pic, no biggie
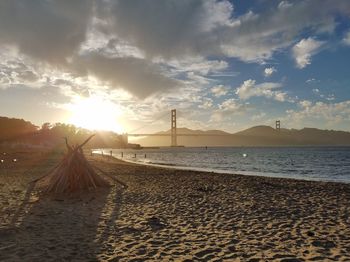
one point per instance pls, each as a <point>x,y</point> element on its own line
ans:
<point>183,130</point>
<point>255,136</point>
<point>19,133</point>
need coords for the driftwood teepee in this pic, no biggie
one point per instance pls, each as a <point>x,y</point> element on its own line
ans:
<point>73,173</point>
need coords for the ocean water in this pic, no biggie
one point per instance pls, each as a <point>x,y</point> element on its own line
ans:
<point>309,163</point>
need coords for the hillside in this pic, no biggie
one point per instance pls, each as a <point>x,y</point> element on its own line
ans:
<point>255,136</point>
<point>12,127</point>
<point>19,133</point>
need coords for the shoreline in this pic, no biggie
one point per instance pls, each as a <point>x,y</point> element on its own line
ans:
<point>167,214</point>
<point>228,172</point>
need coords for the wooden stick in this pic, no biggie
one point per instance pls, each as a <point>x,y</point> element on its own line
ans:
<point>87,140</point>
<point>68,146</point>
<point>6,247</point>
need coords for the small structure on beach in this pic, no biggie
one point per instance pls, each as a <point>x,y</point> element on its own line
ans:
<point>73,173</point>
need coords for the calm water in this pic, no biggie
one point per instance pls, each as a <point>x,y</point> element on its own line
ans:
<point>311,163</point>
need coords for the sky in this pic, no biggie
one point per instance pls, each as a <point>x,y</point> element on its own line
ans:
<point>228,65</point>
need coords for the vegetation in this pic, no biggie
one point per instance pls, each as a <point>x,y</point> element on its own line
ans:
<point>20,132</point>
<point>12,127</point>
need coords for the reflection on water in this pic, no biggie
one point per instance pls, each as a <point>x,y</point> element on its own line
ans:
<point>312,163</point>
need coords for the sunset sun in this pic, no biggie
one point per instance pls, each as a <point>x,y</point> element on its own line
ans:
<point>95,113</point>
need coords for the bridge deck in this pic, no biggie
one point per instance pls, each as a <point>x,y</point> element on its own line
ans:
<point>180,134</point>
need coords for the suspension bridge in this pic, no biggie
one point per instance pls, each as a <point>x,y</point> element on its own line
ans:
<point>173,131</point>
<point>173,134</point>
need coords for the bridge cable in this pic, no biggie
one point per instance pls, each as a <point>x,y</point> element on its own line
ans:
<point>147,124</point>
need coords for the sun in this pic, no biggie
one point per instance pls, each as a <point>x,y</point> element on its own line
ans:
<point>95,113</point>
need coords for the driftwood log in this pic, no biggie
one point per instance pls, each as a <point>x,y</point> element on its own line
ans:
<point>73,173</point>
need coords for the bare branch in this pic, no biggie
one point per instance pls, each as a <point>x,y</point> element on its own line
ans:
<point>68,146</point>
<point>87,140</point>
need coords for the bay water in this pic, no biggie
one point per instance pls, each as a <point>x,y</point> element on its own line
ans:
<point>309,163</point>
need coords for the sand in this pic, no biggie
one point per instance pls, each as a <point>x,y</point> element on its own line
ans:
<point>170,215</point>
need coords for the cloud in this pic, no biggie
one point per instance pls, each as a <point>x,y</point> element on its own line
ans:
<point>346,39</point>
<point>50,31</point>
<point>219,90</point>
<point>305,103</point>
<point>258,116</point>
<point>249,89</point>
<point>284,5</point>
<point>136,75</point>
<point>170,28</point>
<point>206,104</point>
<point>14,72</point>
<point>304,49</point>
<point>230,105</point>
<point>227,109</point>
<point>55,30</point>
<point>196,65</point>
<point>176,28</point>
<point>311,80</point>
<point>257,37</point>
<point>317,92</point>
<point>319,114</point>
<point>150,34</point>
<point>330,97</point>
<point>269,71</point>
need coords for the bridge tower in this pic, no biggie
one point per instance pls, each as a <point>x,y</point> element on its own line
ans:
<point>173,128</point>
<point>278,125</point>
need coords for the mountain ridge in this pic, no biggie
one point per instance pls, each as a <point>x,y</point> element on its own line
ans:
<point>254,136</point>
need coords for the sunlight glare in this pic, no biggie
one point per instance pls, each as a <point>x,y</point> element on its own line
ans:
<point>95,113</point>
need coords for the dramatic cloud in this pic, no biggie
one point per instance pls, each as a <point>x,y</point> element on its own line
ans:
<point>171,28</point>
<point>138,76</point>
<point>219,90</point>
<point>194,27</point>
<point>59,33</point>
<point>54,32</point>
<point>51,31</point>
<point>303,51</point>
<point>249,89</point>
<point>269,71</point>
<point>173,53</point>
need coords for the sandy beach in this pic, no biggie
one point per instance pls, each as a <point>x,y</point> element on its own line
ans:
<point>170,215</point>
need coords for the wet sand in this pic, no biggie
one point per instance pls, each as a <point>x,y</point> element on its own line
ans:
<point>170,215</point>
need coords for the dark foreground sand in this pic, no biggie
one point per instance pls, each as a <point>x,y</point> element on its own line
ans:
<point>171,215</point>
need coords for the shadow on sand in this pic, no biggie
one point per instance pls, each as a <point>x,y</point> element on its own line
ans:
<point>61,228</point>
